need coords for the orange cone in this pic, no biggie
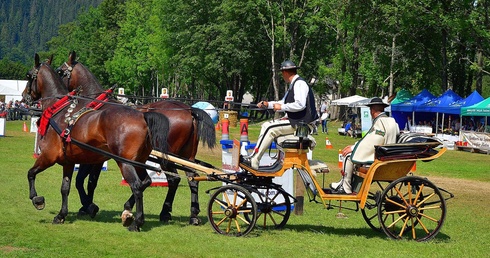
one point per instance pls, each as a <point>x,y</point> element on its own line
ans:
<point>414,167</point>
<point>328,145</point>
<point>25,128</point>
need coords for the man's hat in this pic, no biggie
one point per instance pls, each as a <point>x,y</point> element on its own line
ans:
<point>288,65</point>
<point>376,101</point>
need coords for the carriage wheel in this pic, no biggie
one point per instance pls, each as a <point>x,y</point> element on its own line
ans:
<point>273,207</point>
<point>232,211</point>
<point>370,211</point>
<point>412,207</point>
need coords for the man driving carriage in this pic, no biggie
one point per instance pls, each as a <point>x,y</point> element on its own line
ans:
<point>383,131</point>
<point>299,105</point>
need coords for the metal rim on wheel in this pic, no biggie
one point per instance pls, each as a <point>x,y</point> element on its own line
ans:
<point>370,210</point>
<point>232,211</point>
<point>413,208</point>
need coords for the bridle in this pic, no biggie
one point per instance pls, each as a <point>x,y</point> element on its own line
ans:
<point>31,78</point>
<point>66,72</point>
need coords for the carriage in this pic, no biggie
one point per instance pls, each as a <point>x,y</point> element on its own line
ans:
<point>390,198</point>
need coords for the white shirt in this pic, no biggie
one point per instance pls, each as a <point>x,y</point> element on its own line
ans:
<point>301,90</point>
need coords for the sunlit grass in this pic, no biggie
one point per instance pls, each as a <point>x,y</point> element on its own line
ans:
<point>27,232</point>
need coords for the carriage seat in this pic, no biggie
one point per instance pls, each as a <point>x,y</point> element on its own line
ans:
<point>408,146</point>
<point>294,142</point>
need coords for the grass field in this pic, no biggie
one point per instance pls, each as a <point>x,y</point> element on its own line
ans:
<point>27,232</point>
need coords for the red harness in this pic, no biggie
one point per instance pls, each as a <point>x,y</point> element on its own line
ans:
<point>65,101</point>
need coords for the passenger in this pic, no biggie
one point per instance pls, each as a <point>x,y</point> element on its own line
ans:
<point>299,105</point>
<point>383,131</point>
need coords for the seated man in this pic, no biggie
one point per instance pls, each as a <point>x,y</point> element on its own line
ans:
<point>383,131</point>
<point>299,105</point>
<point>349,130</point>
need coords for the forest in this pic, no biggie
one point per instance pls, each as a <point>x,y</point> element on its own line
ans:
<point>199,49</point>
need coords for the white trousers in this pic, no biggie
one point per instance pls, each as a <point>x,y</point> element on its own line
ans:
<point>269,131</point>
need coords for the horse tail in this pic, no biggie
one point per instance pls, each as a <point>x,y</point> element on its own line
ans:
<point>159,126</point>
<point>205,127</point>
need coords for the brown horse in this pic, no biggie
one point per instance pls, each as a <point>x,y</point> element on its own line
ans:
<point>71,132</point>
<point>188,126</point>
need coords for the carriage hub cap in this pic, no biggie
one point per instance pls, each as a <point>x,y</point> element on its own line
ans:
<point>230,212</point>
<point>412,211</point>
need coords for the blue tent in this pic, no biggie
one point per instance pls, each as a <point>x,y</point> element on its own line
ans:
<point>441,104</point>
<point>409,106</point>
<point>472,99</point>
<point>402,111</point>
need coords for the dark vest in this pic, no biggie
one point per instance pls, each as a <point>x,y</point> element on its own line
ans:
<point>306,115</point>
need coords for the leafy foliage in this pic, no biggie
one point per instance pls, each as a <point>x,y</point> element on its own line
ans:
<point>199,49</point>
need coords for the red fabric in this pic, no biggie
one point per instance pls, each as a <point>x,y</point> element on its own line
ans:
<point>52,110</point>
<point>99,101</point>
<point>62,103</point>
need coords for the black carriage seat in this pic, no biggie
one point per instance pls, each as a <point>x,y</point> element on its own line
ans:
<point>408,146</point>
<point>301,140</point>
<point>293,142</point>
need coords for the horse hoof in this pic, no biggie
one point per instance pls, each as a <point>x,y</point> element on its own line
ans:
<point>165,218</point>
<point>38,202</point>
<point>127,218</point>
<point>195,221</point>
<point>92,210</point>
<point>134,228</point>
<point>58,220</point>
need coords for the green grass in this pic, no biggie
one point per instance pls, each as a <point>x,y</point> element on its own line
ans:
<point>27,232</point>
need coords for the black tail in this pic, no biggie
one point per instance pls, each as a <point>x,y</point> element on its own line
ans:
<point>206,132</point>
<point>159,126</point>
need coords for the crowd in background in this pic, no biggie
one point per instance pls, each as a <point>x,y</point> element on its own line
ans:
<point>14,110</point>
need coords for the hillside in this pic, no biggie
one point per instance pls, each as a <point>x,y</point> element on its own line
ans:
<point>26,25</point>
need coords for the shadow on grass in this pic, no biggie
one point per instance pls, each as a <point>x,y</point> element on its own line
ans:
<point>366,232</point>
<point>105,216</point>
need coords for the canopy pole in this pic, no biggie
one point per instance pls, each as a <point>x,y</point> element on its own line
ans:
<point>442,130</point>
<point>437,122</point>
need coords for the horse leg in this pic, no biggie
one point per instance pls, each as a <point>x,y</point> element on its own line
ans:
<point>83,172</point>
<point>37,201</point>
<point>138,180</point>
<point>93,179</point>
<point>65,191</point>
<point>92,171</point>
<point>173,184</point>
<point>194,187</point>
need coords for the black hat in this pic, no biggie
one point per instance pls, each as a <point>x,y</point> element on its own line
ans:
<point>288,65</point>
<point>376,101</point>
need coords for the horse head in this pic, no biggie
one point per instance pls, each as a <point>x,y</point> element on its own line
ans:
<point>74,74</point>
<point>42,82</point>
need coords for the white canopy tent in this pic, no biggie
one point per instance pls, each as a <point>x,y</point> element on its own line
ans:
<point>348,101</point>
<point>10,94</point>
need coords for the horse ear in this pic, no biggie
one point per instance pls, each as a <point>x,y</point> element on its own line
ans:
<point>73,57</point>
<point>50,60</point>
<point>36,60</point>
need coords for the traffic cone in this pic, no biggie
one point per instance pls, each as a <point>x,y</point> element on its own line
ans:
<point>225,129</point>
<point>341,159</point>
<point>25,128</point>
<point>414,167</point>
<point>328,145</point>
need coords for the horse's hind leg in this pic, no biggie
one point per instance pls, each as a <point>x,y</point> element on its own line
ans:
<point>65,191</point>
<point>173,184</point>
<point>194,187</point>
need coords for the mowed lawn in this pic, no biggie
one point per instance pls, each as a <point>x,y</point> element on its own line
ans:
<point>27,232</point>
